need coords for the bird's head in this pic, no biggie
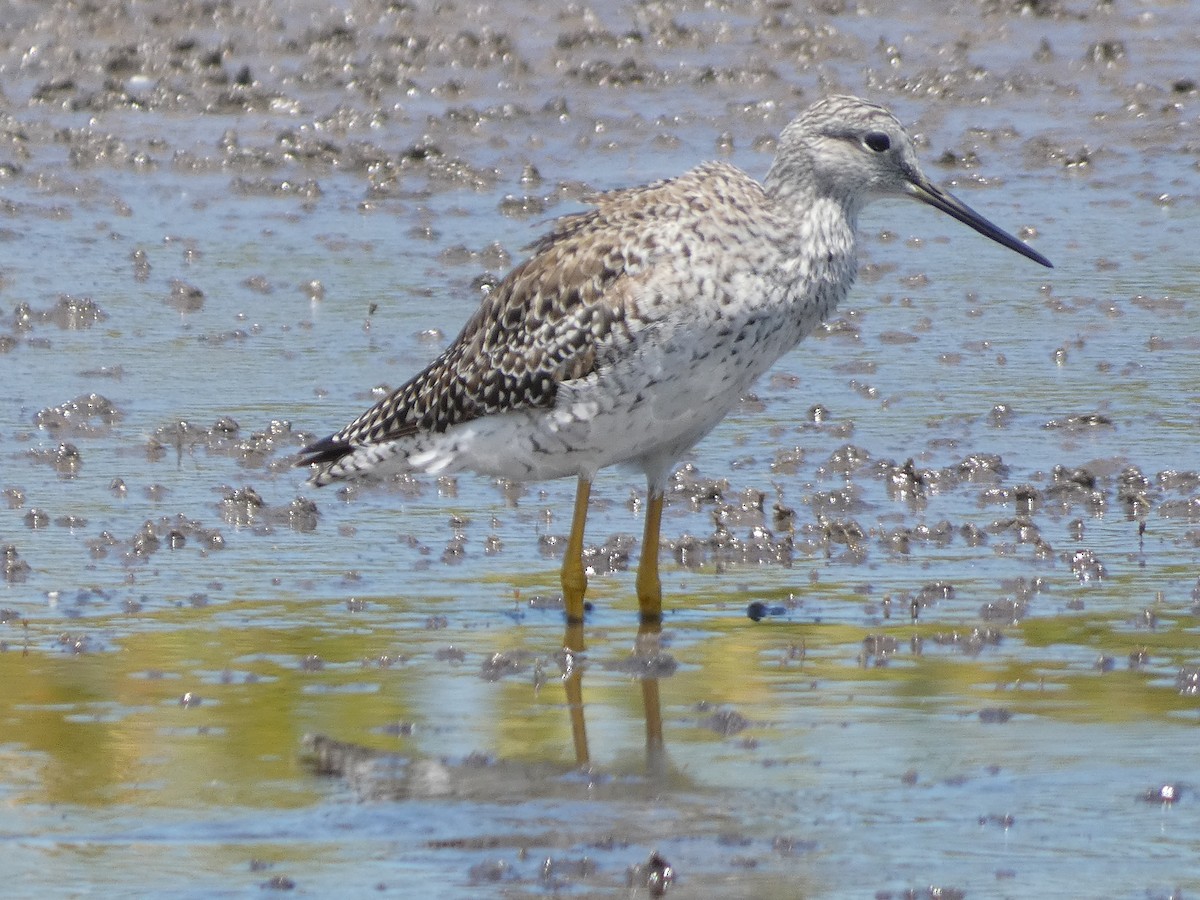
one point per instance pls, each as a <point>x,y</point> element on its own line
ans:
<point>854,152</point>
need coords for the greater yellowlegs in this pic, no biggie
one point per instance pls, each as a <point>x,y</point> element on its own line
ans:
<point>635,326</point>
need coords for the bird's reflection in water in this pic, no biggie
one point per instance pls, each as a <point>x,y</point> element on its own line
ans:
<point>573,648</point>
<point>495,787</point>
<point>646,658</point>
<point>382,775</point>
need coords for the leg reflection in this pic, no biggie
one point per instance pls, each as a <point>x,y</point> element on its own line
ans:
<point>656,755</point>
<point>573,646</point>
<point>647,647</point>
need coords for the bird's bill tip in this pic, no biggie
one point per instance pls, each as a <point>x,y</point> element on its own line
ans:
<point>929,193</point>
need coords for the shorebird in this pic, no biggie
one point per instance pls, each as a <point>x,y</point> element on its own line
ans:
<point>635,326</point>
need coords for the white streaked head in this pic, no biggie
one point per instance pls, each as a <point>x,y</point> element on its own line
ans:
<point>854,152</point>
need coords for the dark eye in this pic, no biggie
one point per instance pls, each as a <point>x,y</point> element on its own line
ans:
<point>877,141</point>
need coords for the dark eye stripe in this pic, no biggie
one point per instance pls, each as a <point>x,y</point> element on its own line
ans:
<point>877,141</point>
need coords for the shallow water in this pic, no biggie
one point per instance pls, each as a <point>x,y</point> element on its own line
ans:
<point>1012,739</point>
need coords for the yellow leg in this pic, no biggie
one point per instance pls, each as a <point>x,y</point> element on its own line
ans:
<point>574,579</point>
<point>649,587</point>
<point>574,584</point>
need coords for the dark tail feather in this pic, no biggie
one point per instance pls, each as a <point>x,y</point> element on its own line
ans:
<point>326,450</point>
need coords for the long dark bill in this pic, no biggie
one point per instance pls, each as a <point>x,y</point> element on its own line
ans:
<point>927,192</point>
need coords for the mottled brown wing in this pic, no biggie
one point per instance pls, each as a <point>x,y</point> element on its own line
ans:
<point>540,326</point>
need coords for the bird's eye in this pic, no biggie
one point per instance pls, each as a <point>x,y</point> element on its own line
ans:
<point>877,141</point>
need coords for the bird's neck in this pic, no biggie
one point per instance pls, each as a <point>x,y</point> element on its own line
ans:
<point>821,245</point>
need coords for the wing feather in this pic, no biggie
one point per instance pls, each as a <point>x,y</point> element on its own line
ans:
<point>554,318</point>
<point>542,325</point>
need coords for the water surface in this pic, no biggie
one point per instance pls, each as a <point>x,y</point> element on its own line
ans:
<point>232,233</point>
